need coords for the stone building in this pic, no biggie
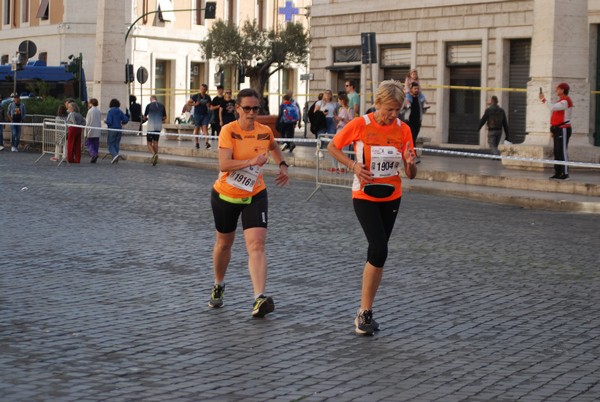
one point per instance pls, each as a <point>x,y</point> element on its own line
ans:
<point>465,52</point>
<point>145,33</point>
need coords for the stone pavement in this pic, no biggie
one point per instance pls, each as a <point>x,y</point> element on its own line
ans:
<point>106,271</point>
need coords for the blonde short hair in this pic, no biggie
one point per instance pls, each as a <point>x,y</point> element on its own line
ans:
<point>390,91</point>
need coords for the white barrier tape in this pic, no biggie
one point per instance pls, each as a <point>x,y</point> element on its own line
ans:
<point>511,158</point>
<point>162,134</point>
<point>329,139</point>
<point>6,123</point>
<point>500,157</point>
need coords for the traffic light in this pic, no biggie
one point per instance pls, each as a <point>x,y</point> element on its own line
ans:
<point>210,10</point>
<point>74,65</point>
<point>129,76</point>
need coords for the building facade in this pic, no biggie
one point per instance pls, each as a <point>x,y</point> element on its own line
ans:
<point>465,52</point>
<point>159,36</point>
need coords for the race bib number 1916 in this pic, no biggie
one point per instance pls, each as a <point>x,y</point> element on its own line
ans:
<point>244,179</point>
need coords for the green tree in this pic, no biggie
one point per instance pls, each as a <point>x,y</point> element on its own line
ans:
<point>259,54</point>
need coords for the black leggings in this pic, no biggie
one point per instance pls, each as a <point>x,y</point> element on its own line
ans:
<point>377,220</point>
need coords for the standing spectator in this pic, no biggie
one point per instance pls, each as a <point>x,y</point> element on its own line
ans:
<point>412,76</point>
<point>560,127</point>
<point>415,105</point>
<point>345,112</point>
<point>75,122</point>
<point>327,106</point>
<point>382,143</point>
<point>115,119</point>
<point>343,117</point>
<point>93,122</point>
<point>353,97</point>
<point>496,120</point>
<point>293,101</point>
<point>201,114</point>
<point>215,107</point>
<point>240,190</point>
<point>1,124</point>
<point>287,119</point>
<point>155,114</point>
<point>227,110</point>
<point>16,114</point>
<point>317,119</point>
<point>135,112</point>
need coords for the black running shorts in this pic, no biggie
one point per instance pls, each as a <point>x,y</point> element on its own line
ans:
<point>226,214</point>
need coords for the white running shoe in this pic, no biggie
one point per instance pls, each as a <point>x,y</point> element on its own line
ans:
<point>1,148</point>
<point>507,142</point>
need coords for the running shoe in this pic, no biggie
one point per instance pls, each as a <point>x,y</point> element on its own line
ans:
<point>364,322</point>
<point>94,159</point>
<point>263,305</point>
<point>154,159</point>
<point>216,297</point>
<point>197,145</point>
<point>207,145</point>
<point>374,324</point>
<point>115,159</point>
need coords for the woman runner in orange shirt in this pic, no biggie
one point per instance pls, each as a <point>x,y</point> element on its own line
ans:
<point>381,144</point>
<point>240,190</point>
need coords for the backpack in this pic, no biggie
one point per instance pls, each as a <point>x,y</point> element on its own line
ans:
<point>317,119</point>
<point>495,118</point>
<point>289,113</point>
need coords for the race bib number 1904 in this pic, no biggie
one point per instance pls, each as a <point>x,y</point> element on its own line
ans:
<point>385,161</point>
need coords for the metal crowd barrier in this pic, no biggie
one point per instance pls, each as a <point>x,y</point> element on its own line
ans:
<point>330,173</point>
<point>54,139</point>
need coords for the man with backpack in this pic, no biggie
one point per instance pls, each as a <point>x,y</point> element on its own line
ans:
<point>496,120</point>
<point>16,114</point>
<point>288,117</point>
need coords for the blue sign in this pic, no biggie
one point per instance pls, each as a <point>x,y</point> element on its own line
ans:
<point>289,10</point>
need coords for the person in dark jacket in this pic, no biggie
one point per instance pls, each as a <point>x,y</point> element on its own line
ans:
<point>495,118</point>
<point>115,119</point>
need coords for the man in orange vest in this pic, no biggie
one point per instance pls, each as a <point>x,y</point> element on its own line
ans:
<point>560,127</point>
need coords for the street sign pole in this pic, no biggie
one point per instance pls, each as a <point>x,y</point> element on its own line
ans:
<point>306,78</point>
<point>14,68</point>
<point>141,76</point>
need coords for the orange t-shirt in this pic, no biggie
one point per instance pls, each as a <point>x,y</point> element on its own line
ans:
<point>244,145</point>
<point>370,139</point>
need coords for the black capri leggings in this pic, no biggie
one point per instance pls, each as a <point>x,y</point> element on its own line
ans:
<point>377,220</point>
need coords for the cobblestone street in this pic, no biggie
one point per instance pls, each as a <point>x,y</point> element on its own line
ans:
<point>106,271</point>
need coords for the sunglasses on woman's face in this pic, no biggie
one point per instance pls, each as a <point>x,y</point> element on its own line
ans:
<point>247,109</point>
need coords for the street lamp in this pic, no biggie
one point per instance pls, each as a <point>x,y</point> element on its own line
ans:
<point>210,11</point>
